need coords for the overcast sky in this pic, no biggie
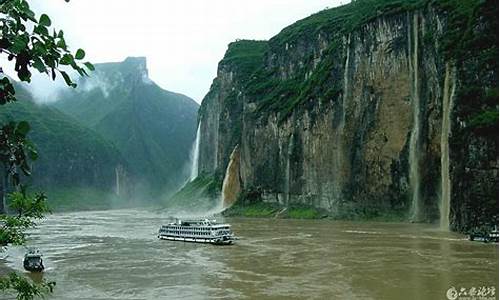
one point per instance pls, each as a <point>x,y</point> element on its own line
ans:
<point>183,40</point>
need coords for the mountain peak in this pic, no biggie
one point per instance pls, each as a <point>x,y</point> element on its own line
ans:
<point>127,63</point>
<point>139,62</point>
<point>129,71</point>
<point>136,59</point>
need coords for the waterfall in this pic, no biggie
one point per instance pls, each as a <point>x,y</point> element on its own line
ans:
<point>117,180</point>
<point>339,133</point>
<point>195,154</point>
<point>445,148</point>
<point>415,133</point>
<point>231,185</point>
<point>287,171</point>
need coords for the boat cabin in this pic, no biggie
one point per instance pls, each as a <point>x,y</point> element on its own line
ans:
<point>202,231</point>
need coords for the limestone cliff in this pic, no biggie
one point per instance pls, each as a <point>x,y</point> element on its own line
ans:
<point>364,110</point>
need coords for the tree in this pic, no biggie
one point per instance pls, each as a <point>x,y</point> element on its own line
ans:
<point>12,231</point>
<point>31,44</point>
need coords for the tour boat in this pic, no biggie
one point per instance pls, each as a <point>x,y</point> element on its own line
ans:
<point>33,261</point>
<point>197,231</point>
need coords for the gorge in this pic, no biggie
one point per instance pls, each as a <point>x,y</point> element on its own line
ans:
<point>117,140</point>
<point>364,111</point>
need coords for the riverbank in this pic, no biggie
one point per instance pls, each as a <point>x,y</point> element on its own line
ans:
<point>274,210</point>
<point>88,199</point>
<point>270,210</point>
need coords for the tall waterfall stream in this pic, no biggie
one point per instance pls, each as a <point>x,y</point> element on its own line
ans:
<point>415,133</point>
<point>195,155</point>
<point>445,147</point>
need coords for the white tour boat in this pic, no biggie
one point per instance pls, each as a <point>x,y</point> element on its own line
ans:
<point>197,231</point>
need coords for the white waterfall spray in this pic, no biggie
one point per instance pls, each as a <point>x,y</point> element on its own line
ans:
<point>415,133</point>
<point>445,147</point>
<point>195,155</point>
<point>117,180</point>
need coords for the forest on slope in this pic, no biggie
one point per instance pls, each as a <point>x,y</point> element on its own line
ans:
<point>127,145</point>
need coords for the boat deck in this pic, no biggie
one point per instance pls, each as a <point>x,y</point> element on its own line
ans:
<point>197,231</point>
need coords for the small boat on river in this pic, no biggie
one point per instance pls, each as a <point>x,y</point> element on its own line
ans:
<point>485,234</point>
<point>33,261</point>
<point>197,231</point>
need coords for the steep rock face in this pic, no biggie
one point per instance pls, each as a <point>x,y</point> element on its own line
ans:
<point>349,118</point>
<point>221,111</point>
<point>152,128</point>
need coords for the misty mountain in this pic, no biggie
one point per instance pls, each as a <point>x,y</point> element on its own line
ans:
<point>72,159</point>
<point>153,129</point>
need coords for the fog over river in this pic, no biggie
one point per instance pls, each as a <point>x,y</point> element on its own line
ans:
<point>116,255</point>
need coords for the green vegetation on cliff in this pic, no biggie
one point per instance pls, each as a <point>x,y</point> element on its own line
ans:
<point>470,34</point>
<point>472,43</point>
<point>201,194</point>
<point>244,57</point>
<point>261,209</point>
<point>343,19</point>
<point>304,77</point>
<point>117,123</point>
<point>153,129</point>
<point>253,210</point>
<point>70,154</point>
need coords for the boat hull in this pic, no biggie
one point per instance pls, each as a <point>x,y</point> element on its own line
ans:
<point>482,238</point>
<point>196,240</point>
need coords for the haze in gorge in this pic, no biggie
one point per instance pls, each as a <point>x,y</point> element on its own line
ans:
<point>352,147</point>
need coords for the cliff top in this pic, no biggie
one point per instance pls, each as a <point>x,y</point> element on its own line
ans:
<point>244,57</point>
<point>344,18</point>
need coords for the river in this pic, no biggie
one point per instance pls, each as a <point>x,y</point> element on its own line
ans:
<point>116,255</point>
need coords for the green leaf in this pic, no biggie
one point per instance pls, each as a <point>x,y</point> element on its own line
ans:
<point>41,30</point>
<point>26,11</point>
<point>89,66</point>
<point>23,128</point>
<point>44,20</point>
<point>61,43</point>
<point>81,71</point>
<point>31,150</point>
<point>80,54</point>
<point>39,65</point>
<point>68,80</point>
<point>20,43</point>
<point>30,15</point>
<point>33,154</point>
<point>23,73</point>
<point>67,59</point>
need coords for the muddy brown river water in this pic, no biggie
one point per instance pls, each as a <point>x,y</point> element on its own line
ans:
<point>116,255</point>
